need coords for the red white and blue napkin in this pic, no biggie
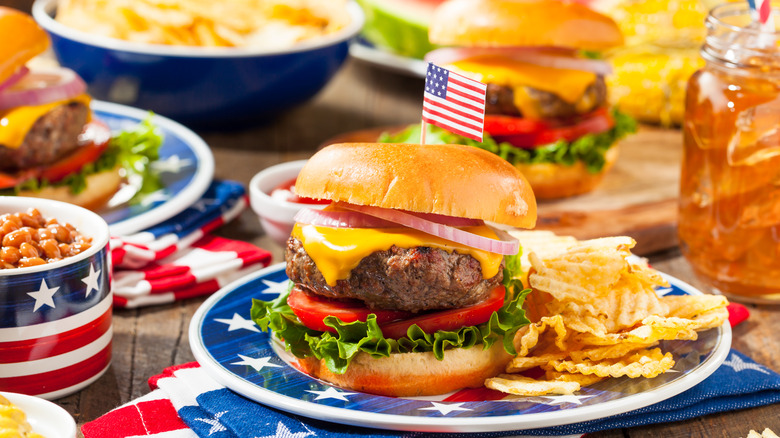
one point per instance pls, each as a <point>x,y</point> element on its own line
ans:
<point>186,403</point>
<point>179,259</point>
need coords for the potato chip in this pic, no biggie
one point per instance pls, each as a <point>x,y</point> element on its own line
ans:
<point>256,24</point>
<point>528,336</point>
<point>607,352</point>
<point>522,363</point>
<point>521,385</point>
<point>543,243</point>
<point>582,379</point>
<point>642,363</point>
<point>689,306</point>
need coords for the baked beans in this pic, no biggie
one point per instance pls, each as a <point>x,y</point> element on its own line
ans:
<point>29,239</point>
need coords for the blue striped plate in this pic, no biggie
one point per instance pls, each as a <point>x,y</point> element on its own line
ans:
<point>236,354</point>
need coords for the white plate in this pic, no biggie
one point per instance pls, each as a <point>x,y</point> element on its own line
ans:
<point>217,338</point>
<point>364,51</point>
<point>45,417</point>
<point>185,157</point>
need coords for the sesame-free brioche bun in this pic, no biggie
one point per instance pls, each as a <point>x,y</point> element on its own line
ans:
<point>498,23</point>
<point>452,180</point>
<point>22,39</point>
<point>415,374</point>
<point>100,188</point>
<point>553,181</point>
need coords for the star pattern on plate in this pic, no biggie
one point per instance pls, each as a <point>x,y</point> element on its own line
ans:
<point>445,408</point>
<point>44,296</point>
<point>172,164</point>
<point>216,426</point>
<point>661,291</point>
<point>238,322</point>
<point>283,432</point>
<point>275,287</point>
<point>91,280</point>
<point>331,392</point>
<point>258,363</point>
<point>563,399</point>
<point>737,364</point>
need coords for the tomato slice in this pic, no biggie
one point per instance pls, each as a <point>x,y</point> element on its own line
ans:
<point>529,133</point>
<point>448,320</point>
<point>312,310</point>
<point>96,136</point>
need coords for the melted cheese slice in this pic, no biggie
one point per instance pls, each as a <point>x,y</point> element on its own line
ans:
<point>337,251</point>
<point>15,123</point>
<point>569,85</point>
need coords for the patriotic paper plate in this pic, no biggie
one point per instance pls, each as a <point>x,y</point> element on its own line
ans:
<point>186,165</point>
<point>231,348</point>
<point>366,52</point>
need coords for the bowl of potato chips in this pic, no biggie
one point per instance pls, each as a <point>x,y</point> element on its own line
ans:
<point>204,63</point>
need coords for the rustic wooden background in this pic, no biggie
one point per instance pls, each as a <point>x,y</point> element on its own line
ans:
<point>360,97</point>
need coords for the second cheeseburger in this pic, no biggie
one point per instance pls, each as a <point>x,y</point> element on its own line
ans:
<point>399,287</point>
<point>546,95</point>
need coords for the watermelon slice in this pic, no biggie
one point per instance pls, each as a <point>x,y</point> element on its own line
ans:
<point>399,26</point>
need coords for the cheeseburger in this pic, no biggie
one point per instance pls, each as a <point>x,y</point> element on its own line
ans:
<point>49,144</point>
<point>546,96</point>
<point>399,287</point>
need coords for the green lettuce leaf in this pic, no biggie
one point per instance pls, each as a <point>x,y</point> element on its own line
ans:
<point>351,338</point>
<point>590,148</point>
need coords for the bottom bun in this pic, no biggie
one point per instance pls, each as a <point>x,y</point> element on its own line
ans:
<point>415,374</point>
<point>551,181</point>
<point>101,187</point>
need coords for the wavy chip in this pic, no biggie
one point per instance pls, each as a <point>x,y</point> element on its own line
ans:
<point>521,385</point>
<point>643,363</point>
<point>528,336</point>
<point>582,379</point>
<point>689,306</point>
<point>522,363</point>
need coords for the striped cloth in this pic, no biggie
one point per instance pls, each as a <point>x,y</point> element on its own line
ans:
<point>179,259</point>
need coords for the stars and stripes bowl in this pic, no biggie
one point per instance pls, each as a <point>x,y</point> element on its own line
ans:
<point>55,318</point>
<point>200,86</point>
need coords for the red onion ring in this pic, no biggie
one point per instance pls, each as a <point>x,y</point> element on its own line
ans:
<point>340,219</point>
<point>546,57</point>
<point>440,230</point>
<point>14,78</point>
<point>40,87</point>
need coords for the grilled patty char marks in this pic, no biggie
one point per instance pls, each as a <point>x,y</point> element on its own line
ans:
<point>411,279</point>
<point>52,136</point>
<point>500,101</point>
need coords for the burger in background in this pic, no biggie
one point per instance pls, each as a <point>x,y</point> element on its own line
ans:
<point>398,287</point>
<point>50,145</point>
<point>547,111</point>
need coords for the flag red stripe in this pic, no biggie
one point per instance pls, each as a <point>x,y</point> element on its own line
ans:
<point>455,129</point>
<point>764,11</point>
<point>48,346</point>
<point>139,419</point>
<point>480,104</point>
<point>452,120</point>
<point>465,82</point>
<point>62,378</point>
<point>432,105</point>
<point>479,100</point>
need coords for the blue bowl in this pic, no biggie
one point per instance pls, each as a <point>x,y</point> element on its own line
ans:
<point>205,87</point>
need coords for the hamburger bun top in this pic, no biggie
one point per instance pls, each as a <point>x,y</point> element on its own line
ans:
<point>452,180</point>
<point>22,39</point>
<point>500,23</point>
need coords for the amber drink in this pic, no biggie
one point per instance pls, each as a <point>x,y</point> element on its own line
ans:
<point>729,217</point>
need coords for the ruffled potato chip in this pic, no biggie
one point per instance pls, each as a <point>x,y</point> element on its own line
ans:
<point>521,385</point>
<point>642,363</point>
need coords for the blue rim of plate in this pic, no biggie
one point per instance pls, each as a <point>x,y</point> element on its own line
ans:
<point>217,338</point>
<point>367,52</point>
<point>180,189</point>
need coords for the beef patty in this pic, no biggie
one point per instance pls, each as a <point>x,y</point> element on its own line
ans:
<point>52,136</point>
<point>410,279</point>
<point>500,101</point>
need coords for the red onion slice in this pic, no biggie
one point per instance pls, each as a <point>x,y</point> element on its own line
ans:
<point>546,57</point>
<point>40,87</point>
<point>447,232</point>
<point>449,220</point>
<point>14,78</point>
<point>340,219</point>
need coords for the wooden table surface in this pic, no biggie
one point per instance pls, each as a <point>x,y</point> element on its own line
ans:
<point>150,339</point>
